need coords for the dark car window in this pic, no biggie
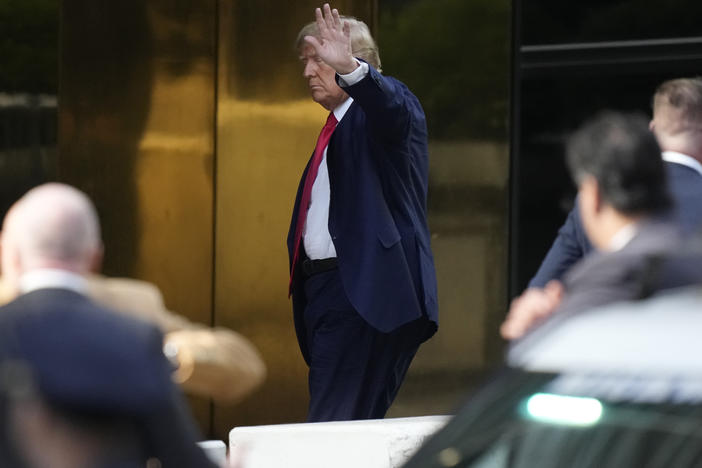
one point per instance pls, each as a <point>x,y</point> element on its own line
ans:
<point>532,420</point>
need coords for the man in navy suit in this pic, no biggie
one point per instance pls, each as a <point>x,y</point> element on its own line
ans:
<point>622,197</point>
<point>97,387</point>
<point>362,273</point>
<point>677,125</point>
<point>86,387</point>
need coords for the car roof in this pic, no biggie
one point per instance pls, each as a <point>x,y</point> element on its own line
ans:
<point>659,337</point>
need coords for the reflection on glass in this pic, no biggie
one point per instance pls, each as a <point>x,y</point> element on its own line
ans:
<point>453,55</point>
<point>572,60</point>
<point>142,113</point>
<point>28,104</point>
<point>555,21</point>
<point>136,125</point>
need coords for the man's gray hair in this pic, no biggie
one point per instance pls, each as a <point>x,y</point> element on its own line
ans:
<point>363,45</point>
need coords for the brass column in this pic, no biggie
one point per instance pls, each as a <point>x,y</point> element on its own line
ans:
<point>136,132</point>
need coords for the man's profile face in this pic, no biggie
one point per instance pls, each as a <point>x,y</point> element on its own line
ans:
<point>320,79</point>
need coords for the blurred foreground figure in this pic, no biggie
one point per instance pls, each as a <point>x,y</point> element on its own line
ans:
<point>619,386</point>
<point>677,125</point>
<point>622,195</point>
<point>83,387</point>
<point>362,273</point>
<point>51,240</point>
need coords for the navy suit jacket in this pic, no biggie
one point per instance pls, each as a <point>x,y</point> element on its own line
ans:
<point>658,258</point>
<point>378,175</point>
<point>571,244</point>
<point>86,358</point>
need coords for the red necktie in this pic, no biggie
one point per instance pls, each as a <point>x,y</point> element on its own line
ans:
<point>322,143</point>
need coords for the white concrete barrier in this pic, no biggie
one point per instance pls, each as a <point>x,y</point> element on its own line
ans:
<point>377,443</point>
<point>216,451</point>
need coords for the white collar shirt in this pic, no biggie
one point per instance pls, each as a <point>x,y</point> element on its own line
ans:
<point>623,237</point>
<point>51,278</point>
<point>317,240</point>
<point>684,159</point>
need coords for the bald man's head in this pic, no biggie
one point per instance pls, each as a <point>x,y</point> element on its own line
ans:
<point>51,226</point>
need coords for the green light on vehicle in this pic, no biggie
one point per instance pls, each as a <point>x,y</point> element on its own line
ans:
<point>568,410</point>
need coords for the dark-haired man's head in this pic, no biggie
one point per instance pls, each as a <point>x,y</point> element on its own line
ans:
<point>616,163</point>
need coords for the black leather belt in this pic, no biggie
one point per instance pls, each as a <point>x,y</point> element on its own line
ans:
<point>312,267</point>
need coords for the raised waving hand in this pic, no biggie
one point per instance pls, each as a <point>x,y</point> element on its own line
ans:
<point>333,45</point>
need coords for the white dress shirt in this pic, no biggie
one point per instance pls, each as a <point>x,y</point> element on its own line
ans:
<point>623,237</point>
<point>685,160</point>
<point>51,278</point>
<point>316,238</point>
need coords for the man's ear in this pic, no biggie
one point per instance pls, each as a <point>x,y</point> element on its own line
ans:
<point>10,257</point>
<point>590,194</point>
<point>96,260</point>
<point>597,196</point>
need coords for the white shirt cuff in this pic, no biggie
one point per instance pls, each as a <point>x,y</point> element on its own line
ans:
<point>355,76</point>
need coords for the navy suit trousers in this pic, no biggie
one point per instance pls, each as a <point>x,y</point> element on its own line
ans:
<point>355,370</point>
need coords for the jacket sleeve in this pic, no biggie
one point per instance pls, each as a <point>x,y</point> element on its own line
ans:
<point>218,363</point>
<point>570,245</point>
<point>391,109</point>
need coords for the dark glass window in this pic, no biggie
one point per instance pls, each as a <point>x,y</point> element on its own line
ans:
<point>571,60</point>
<point>28,103</point>
<point>555,21</point>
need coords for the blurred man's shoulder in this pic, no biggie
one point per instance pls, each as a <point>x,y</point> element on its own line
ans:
<point>131,296</point>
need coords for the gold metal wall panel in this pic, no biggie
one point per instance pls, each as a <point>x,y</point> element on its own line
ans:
<point>453,54</point>
<point>266,130</point>
<point>136,132</point>
<point>148,91</point>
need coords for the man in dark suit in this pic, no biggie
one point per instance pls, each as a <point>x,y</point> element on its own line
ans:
<point>81,385</point>
<point>622,199</point>
<point>51,238</point>
<point>362,274</point>
<point>677,124</point>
